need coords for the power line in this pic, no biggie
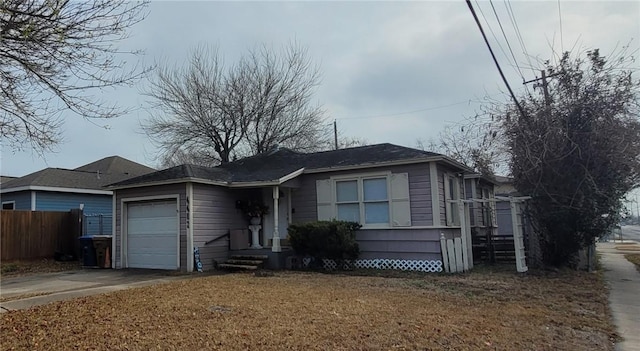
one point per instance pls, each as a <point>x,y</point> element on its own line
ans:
<point>516,28</point>
<point>491,30</point>
<point>504,79</point>
<point>408,112</point>
<point>515,61</point>
<point>560,18</point>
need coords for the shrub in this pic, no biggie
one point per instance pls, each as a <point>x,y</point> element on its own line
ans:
<point>325,239</point>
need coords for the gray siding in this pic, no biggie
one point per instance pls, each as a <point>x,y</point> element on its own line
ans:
<point>303,199</point>
<point>171,189</point>
<point>214,214</point>
<point>442,170</point>
<point>405,244</point>
<point>21,198</point>
<point>393,243</point>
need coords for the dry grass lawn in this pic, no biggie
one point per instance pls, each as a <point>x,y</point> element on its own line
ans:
<point>484,310</point>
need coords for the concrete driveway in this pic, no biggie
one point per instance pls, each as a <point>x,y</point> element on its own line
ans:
<point>40,289</point>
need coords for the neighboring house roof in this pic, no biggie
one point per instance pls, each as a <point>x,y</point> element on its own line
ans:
<point>283,164</point>
<point>88,178</point>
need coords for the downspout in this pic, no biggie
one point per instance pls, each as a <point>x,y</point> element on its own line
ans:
<point>113,230</point>
<point>33,200</point>
<point>190,257</point>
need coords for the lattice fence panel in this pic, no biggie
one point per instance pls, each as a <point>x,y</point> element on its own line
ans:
<point>382,263</point>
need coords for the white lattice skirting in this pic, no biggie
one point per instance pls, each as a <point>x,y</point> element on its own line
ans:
<point>384,263</point>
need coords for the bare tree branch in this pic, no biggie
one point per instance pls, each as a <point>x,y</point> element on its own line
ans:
<point>216,114</point>
<point>54,56</point>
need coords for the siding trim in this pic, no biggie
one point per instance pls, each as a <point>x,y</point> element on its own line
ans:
<point>435,197</point>
<point>123,223</point>
<point>33,201</point>
<point>190,210</point>
<point>57,189</point>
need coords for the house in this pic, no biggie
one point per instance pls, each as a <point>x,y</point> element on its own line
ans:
<point>480,192</point>
<point>58,189</point>
<point>399,195</point>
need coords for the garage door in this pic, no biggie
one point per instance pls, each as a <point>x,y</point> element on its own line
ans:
<point>152,235</point>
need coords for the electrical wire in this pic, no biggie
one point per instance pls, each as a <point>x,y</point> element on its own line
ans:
<point>515,61</point>
<point>495,60</point>
<point>407,112</point>
<point>560,19</point>
<point>495,37</point>
<point>512,17</point>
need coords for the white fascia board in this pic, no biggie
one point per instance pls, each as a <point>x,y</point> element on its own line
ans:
<point>170,182</point>
<point>291,175</point>
<point>254,184</point>
<point>57,189</point>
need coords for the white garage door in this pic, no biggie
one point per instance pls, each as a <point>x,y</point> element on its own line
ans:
<point>152,235</point>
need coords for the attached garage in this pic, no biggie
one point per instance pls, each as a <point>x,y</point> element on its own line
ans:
<point>152,234</point>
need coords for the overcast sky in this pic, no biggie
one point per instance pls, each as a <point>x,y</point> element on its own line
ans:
<point>392,71</point>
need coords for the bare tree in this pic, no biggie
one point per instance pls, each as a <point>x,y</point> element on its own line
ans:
<point>477,142</point>
<point>216,114</point>
<point>197,110</point>
<point>54,56</point>
<point>282,87</point>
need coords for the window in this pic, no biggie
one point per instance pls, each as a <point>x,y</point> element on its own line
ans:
<point>375,200</point>
<point>9,205</point>
<point>363,198</point>
<point>451,192</point>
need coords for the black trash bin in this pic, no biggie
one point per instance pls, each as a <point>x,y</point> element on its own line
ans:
<point>102,245</point>
<point>88,252</point>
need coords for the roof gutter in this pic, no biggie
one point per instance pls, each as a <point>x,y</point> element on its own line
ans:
<point>56,189</point>
<point>444,159</point>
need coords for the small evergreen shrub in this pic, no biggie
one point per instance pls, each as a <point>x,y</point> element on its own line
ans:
<point>334,240</point>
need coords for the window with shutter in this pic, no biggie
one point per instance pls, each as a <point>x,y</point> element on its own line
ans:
<point>371,200</point>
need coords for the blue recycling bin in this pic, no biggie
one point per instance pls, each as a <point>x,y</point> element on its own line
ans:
<point>88,252</point>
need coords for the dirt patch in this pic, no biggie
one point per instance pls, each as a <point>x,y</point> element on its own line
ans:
<point>484,310</point>
<point>635,259</point>
<point>22,268</point>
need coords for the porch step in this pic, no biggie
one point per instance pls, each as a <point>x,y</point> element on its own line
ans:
<point>244,262</point>
<point>249,257</point>
<point>230,266</point>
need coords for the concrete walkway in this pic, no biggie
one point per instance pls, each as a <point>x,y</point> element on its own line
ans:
<point>624,296</point>
<point>35,290</point>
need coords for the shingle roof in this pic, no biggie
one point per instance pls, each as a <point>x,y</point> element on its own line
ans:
<point>180,172</point>
<point>91,176</point>
<point>274,165</point>
<point>4,179</point>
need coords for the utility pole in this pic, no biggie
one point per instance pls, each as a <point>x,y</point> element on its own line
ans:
<point>545,86</point>
<point>335,133</point>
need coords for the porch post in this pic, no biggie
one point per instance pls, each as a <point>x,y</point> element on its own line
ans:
<point>275,245</point>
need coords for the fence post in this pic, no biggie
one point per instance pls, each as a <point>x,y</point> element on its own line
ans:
<point>445,256</point>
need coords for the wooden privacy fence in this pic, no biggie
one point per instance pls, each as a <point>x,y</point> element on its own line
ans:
<point>38,234</point>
